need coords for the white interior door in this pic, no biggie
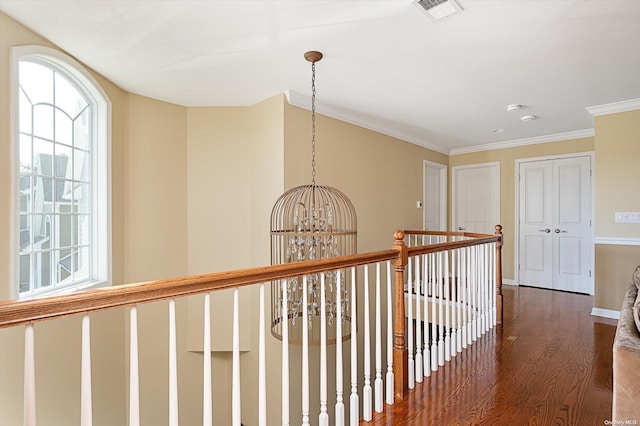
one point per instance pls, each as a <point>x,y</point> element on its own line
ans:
<point>476,198</point>
<point>435,196</point>
<point>555,235</point>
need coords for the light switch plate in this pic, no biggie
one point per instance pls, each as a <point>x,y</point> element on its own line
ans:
<point>627,217</point>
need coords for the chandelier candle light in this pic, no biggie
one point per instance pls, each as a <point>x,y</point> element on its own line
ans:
<point>311,222</point>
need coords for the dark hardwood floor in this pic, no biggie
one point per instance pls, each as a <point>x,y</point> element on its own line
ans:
<point>550,363</point>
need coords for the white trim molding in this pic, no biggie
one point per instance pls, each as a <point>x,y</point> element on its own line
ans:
<point>506,281</point>
<point>303,101</point>
<point>614,107</point>
<point>617,241</point>
<point>605,313</point>
<point>556,137</point>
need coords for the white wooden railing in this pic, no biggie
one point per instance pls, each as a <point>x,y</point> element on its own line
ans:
<point>452,284</point>
<point>455,294</point>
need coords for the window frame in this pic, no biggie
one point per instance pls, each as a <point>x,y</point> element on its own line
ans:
<point>101,269</point>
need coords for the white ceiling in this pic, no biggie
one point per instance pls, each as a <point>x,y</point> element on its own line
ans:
<point>443,85</point>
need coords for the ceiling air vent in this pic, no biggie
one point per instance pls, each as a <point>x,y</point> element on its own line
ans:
<point>439,9</point>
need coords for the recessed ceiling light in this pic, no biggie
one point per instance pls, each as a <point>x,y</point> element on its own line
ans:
<point>439,9</point>
<point>498,131</point>
<point>528,118</point>
<point>513,107</point>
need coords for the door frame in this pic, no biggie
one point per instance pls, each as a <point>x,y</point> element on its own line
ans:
<point>443,192</point>
<point>516,248</point>
<point>454,170</point>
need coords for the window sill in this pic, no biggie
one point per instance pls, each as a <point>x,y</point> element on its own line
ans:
<point>89,285</point>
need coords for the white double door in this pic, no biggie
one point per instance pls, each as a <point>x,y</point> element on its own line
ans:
<point>555,234</point>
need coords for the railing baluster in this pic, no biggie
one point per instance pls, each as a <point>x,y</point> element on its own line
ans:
<point>441,279</point>
<point>323,417</point>
<point>434,323</point>
<point>285,356</point>
<point>418,360</point>
<point>378,403</point>
<point>236,398</point>
<point>29,413</point>
<point>354,400</point>
<point>366,390</point>
<point>454,303</point>
<point>305,354</point>
<point>469,255</point>
<point>464,288</point>
<point>390,378</point>
<point>474,293</point>
<point>134,375</point>
<point>262,372</point>
<point>86,416</point>
<point>460,300</point>
<point>207,409</point>
<point>426,287</point>
<point>410,348</point>
<point>485,289</point>
<point>339,409</point>
<point>173,366</point>
<point>447,307</point>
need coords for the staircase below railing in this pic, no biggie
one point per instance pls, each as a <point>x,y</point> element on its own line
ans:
<point>453,284</point>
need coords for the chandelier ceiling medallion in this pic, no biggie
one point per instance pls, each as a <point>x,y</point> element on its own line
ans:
<point>311,222</point>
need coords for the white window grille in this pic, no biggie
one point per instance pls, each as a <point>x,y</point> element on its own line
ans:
<point>62,186</point>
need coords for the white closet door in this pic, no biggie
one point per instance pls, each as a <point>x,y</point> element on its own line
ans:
<point>555,224</point>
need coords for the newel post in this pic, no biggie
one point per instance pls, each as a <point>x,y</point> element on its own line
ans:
<point>400,354</point>
<point>499,274</point>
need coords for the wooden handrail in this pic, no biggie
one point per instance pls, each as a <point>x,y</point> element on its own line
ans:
<point>434,248</point>
<point>19,312</point>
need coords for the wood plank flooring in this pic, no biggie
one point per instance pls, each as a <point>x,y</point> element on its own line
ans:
<point>550,363</point>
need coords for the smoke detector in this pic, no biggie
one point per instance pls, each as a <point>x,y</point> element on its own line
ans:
<point>439,9</point>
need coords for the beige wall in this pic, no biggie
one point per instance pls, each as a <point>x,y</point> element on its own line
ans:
<point>235,174</point>
<point>616,190</point>
<point>58,342</point>
<point>507,158</point>
<point>617,173</point>
<point>613,269</point>
<point>381,175</point>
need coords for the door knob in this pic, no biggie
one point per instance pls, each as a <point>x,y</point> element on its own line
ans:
<point>460,228</point>
<point>557,231</point>
<point>545,230</point>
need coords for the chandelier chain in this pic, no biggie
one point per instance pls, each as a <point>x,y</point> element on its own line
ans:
<point>313,123</point>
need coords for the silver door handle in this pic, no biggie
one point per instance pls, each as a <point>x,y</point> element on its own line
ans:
<point>545,230</point>
<point>460,228</point>
<point>557,231</point>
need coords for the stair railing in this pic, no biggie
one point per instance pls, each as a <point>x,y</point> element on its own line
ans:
<point>452,278</point>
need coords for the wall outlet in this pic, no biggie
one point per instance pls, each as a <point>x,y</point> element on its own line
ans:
<point>418,204</point>
<point>627,217</point>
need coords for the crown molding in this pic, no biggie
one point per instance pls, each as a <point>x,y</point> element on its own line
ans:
<point>303,101</point>
<point>556,137</point>
<point>614,107</point>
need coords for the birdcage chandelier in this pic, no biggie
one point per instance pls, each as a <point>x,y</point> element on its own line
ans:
<point>311,222</point>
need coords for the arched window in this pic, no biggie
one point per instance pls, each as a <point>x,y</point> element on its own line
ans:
<point>62,226</point>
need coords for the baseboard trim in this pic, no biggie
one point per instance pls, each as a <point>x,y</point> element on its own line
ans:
<point>508,282</point>
<point>605,313</point>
